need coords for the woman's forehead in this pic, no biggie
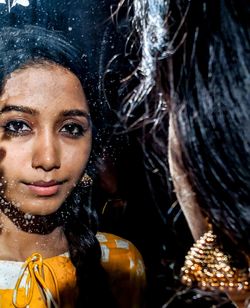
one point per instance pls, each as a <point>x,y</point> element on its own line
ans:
<point>36,87</point>
<point>29,78</point>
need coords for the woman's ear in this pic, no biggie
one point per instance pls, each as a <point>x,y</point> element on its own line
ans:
<point>182,187</point>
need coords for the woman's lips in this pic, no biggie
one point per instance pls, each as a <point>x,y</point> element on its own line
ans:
<point>44,188</point>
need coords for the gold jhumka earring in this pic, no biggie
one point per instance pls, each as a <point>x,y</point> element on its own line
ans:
<point>209,268</point>
<point>86,180</point>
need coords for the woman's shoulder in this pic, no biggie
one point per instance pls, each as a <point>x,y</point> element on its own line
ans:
<point>125,268</point>
<point>121,254</point>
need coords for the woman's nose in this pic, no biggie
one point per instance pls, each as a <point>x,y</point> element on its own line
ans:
<point>46,152</point>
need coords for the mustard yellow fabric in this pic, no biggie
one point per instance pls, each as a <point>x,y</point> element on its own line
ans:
<point>66,280</point>
<point>125,268</point>
<point>120,259</point>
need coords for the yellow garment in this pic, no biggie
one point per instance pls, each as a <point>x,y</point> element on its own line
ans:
<point>64,272</point>
<point>125,268</point>
<point>120,259</point>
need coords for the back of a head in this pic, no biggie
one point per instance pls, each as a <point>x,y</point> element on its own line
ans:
<point>195,55</point>
<point>212,81</point>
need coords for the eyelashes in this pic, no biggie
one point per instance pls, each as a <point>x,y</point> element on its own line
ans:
<point>73,129</point>
<point>16,128</point>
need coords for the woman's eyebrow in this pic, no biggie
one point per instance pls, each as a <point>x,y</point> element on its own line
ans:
<point>75,112</point>
<point>28,110</point>
<point>18,108</point>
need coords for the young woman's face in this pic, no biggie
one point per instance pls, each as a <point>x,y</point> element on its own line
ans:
<point>45,137</point>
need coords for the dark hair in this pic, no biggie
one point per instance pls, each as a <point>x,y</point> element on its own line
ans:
<point>195,65</point>
<point>207,86</point>
<point>212,114</point>
<point>20,48</point>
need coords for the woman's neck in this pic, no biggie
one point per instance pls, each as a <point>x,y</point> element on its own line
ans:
<point>240,298</point>
<point>17,245</point>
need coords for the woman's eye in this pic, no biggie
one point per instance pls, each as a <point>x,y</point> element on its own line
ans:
<point>73,129</point>
<point>16,127</point>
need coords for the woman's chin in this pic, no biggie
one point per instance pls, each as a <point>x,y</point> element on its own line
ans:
<point>38,210</point>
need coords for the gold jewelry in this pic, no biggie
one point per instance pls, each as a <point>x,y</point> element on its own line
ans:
<point>208,267</point>
<point>86,180</point>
